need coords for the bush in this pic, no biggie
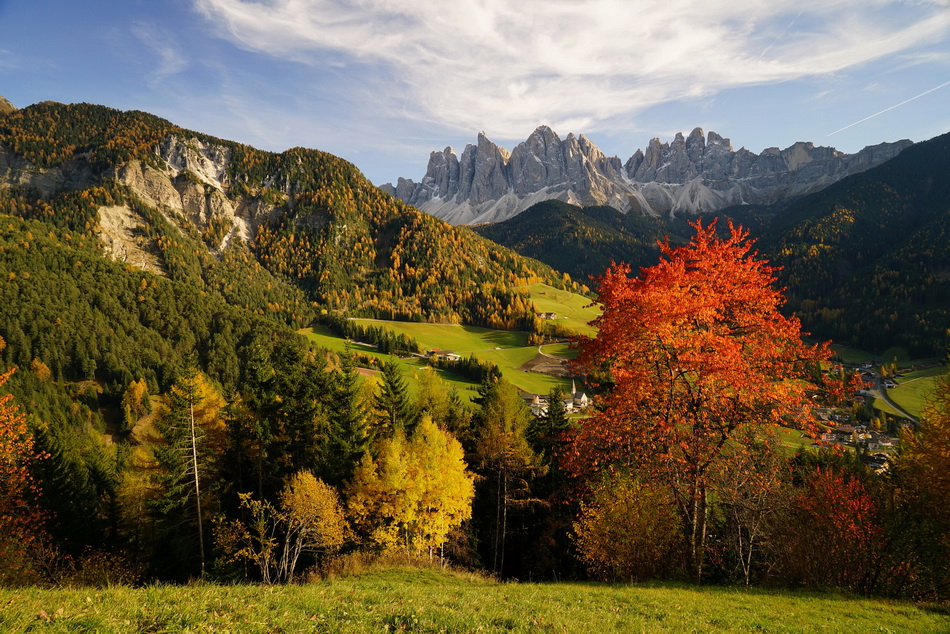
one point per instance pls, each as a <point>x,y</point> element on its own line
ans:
<point>627,530</point>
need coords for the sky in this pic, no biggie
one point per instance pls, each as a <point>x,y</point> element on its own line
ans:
<point>382,83</point>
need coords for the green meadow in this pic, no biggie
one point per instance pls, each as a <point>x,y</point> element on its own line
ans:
<point>914,388</point>
<point>573,311</point>
<point>412,600</point>
<point>506,349</point>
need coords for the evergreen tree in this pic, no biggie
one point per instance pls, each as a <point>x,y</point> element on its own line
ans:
<point>350,435</point>
<point>194,433</point>
<point>547,431</point>
<point>392,400</point>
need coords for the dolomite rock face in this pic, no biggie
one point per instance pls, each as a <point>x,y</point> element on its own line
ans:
<point>697,173</point>
<point>187,183</point>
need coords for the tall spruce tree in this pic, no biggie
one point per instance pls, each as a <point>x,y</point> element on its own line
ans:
<point>392,400</point>
<point>350,433</point>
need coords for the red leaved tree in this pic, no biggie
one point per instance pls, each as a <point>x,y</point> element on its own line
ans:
<point>696,349</point>
<point>21,522</point>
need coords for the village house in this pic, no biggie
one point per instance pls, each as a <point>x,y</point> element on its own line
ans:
<point>443,354</point>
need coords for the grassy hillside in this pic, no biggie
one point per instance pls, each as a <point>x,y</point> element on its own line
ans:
<point>506,349</point>
<point>914,388</point>
<point>431,601</point>
<point>574,311</point>
<point>410,366</point>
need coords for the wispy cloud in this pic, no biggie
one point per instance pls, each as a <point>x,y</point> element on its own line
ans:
<point>507,66</point>
<point>162,43</point>
<point>8,60</point>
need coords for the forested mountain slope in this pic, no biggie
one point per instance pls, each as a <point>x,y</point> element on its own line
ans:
<point>867,260</point>
<point>140,262</point>
<point>306,216</point>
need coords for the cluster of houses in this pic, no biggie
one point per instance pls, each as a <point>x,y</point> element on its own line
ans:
<point>573,402</point>
<point>858,436</point>
<point>873,445</point>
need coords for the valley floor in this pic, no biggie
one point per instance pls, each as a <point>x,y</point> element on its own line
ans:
<point>433,601</point>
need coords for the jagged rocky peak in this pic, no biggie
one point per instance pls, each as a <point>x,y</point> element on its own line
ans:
<point>694,173</point>
<point>5,106</point>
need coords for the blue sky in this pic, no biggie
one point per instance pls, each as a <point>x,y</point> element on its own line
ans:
<point>384,82</point>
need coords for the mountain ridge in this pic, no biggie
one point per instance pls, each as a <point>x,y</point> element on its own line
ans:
<point>698,173</point>
<point>304,215</point>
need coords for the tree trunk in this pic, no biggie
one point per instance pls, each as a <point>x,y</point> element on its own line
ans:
<point>697,546</point>
<point>504,525</point>
<point>194,461</point>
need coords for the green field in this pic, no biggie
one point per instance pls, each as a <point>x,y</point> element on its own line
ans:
<point>794,439</point>
<point>852,355</point>
<point>914,388</point>
<point>410,367</point>
<point>433,601</point>
<point>506,349</point>
<point>573,311</point>
<point>898,356</point>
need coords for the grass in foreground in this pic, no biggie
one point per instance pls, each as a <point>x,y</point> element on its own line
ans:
<point>432,601</point>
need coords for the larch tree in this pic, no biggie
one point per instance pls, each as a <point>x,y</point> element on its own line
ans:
<point>192,425</point>
<point>414,493</point>
<point>923,469</point>
<point>444,487</point>
<point>697,350</point>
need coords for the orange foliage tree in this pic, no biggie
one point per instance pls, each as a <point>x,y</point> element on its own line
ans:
<point>21,522</point>
<point>696,350</point>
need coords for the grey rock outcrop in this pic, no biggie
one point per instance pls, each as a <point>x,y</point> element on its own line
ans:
<point>5,106</point>
<point>698,173</point>
<point>188,183</point>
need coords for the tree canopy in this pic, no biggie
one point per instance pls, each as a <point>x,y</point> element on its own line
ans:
<point>696,349</point>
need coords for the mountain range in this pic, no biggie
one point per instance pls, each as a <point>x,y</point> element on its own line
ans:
<point>698,173</point>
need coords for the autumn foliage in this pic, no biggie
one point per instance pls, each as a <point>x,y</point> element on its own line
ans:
<point>21,522</point>
<point>696,349</point>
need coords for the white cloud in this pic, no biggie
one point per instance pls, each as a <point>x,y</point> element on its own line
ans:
<point>169,60</point>
<point>506,66</point>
